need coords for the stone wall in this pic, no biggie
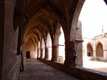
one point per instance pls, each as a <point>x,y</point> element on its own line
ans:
<point>101,39</point>
<point>79,72</point>
<point>10,66</point>
<point>1,32</point>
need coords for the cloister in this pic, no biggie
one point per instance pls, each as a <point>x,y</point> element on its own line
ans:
<point>46,31</point>
<point>96,47</point>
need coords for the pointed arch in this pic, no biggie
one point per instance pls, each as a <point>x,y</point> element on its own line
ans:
<point>60,43</point>
<point>61,46</point>
<point>99,49</point>
<point>89,50</point>
<point>43,48</point>
<point>30,46</point>
<point>49,46</point>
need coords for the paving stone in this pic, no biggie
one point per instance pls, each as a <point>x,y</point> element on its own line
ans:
<point>36,70</point>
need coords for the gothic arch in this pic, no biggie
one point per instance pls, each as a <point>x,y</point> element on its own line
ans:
<point>42,47</point>
<point>30,46</point>
<point>97,42</point>
<point>49,46</point>
<point>99,50</point>
<point>49,41</point>
<point>60,43</point>
<point>89,49</point>
<point>75,19</point>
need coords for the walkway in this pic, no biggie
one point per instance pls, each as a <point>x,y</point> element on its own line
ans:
<point>35,70</point>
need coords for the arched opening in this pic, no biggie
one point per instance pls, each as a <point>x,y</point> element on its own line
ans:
<point>60,44</point>
<point>93,28</point>
<point>29,48</point>
<point>61,57</point>
<point>99,50</point>
<point>89,50</point>
<point>93,18</point>
<point>49,46</point>
<point>38,52</point>
<point>42,49</point>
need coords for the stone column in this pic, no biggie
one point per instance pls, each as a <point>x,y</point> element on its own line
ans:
<point>94,48</point>
<point>19,40</point>
<point>69,54</point>
<point>94,53</point>
<point>55,53</point>
<point>79,52</point>
<point>22,62</point>
<point>105,47</point>
<point>55,46</point>
<point>46,53</point>
<point>1,34</point>
<point>105,54</point>
<point>41,53</point>
<point>38,54</point>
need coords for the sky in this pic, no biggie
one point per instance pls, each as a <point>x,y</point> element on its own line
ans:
<point>94,18</point>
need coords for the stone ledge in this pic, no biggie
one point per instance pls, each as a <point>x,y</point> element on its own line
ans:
<point>81,73</point>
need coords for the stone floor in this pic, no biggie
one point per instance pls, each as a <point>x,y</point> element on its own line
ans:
<point>35,70</point>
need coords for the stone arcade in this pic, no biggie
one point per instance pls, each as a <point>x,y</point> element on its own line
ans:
<point>27,24</point>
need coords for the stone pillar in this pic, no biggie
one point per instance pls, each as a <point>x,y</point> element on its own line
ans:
<point>46,53</point>
<point>19,40</point>
<point>94,53</point>
<point>38,53</point>
<point>105,54</point>
<point>1,34</point>
<point>105,47</point>
<point>22,61</point>
<point>41,53</point>
<point>69,54</point>
<point>55,42</point>
<point>79,53</point>
<point>55,53</point>
<point>94,48</point>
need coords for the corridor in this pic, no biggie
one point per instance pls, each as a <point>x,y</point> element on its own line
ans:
<point>35,70</point>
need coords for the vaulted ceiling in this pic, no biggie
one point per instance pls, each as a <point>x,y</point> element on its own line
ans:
<point>41,16</point>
